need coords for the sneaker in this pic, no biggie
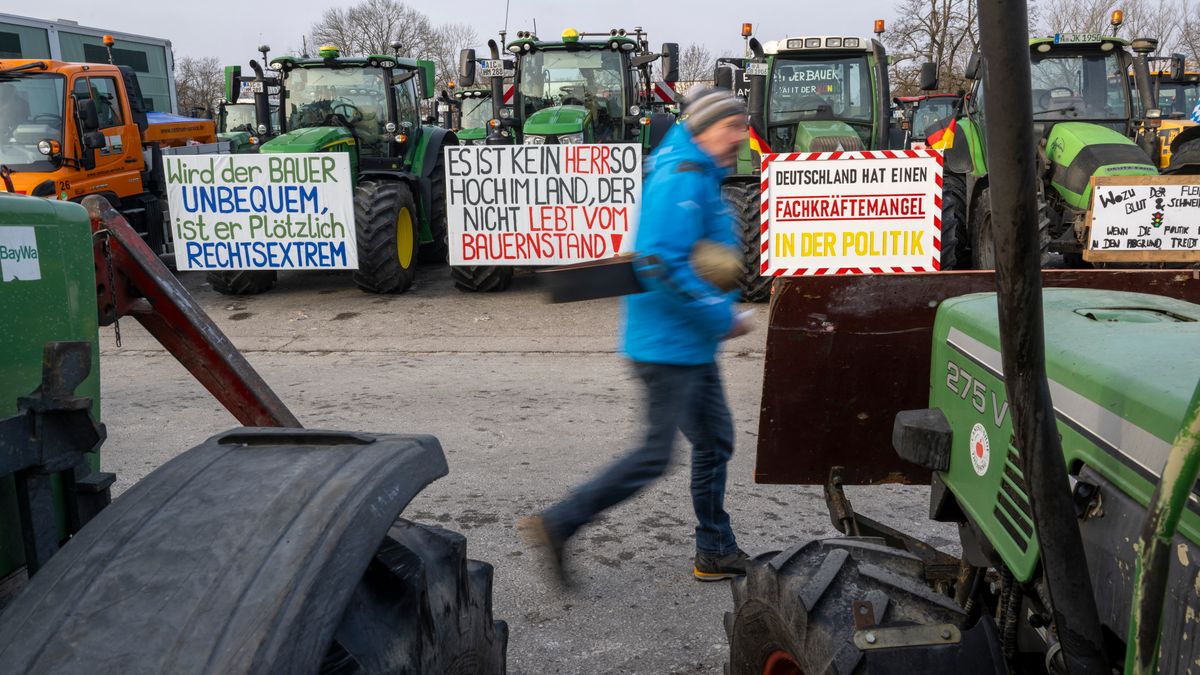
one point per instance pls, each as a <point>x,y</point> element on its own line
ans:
<point>533,531</point>
<point>712,567</point>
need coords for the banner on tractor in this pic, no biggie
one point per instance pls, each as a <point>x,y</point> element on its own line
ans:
<point>868,212</point>
<point>541,204</point>
<point>1144,219</point>
<point>262,212</point>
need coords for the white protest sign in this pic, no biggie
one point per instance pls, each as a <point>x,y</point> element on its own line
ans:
<point>265,211</point>
<point>868,212</point>
<point>1145,217</point>
<point>541,204</point>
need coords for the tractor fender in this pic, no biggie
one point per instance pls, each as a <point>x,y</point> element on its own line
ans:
<point>238,556</point>
<point>1188,133</point>
<point>958,155</point>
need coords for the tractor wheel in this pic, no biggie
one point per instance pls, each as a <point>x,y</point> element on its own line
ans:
<point>421,607</point>
<point>242,282</point>
<point>439,250</point>
<point>744,200</point>
<point>983,243</point>
<point>954,222</point>
<point>388,237</point>
<point>793,610</point>
<point>482,278</point>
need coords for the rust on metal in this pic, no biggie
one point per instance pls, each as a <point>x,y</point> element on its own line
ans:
<point>132,281</point>
<point>846,353</point>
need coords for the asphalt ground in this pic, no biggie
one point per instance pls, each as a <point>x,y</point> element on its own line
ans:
<point>528,399</point>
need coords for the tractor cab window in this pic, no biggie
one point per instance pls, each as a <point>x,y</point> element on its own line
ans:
<point>1079,86</point>
<point>1177,99</point>
<point>351,97</point>
<point>590,78</point>
<point>239,117</point>
<point>102,90</point>
<point>932,114</point>
<point>834,88</point>
<point>476,112</point>
<point>408,106</point>
<point>31,110</point>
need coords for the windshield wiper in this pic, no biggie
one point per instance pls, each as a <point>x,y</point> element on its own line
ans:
<point>36,65</point>
<point>1068,108</point>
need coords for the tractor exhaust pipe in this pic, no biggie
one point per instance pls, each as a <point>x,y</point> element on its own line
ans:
<point>1009,119</point>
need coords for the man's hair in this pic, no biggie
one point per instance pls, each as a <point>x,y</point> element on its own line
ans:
<point>704,106</point>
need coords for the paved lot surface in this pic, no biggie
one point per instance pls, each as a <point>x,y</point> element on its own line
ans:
<point>527,399</point>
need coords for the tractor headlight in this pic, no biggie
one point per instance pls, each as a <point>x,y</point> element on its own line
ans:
<point>571,138</point>
<point>262,130</point>
<point>533,139</point>
<point>390,127</point>
<point>44,147</point>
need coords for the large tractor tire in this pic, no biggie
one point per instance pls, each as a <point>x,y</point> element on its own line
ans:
<point>242,282</point>
<point>983,243</point>
<point>388,235</point>
<point>482,278</point>
<point>793,610</point>
<point>743,198</point>
<point>954,223</point>
<point>439,249</point>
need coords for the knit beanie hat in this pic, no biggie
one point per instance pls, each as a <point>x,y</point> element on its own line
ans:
<point>704,106</point>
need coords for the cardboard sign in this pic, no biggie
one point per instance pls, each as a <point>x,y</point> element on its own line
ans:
<point>260,212</point>
<point>541,204</point>
<point>1144,219</point>
<point>869,212</point>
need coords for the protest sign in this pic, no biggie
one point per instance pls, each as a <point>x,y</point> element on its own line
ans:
<point>868,212</point>
<point>1144,219</point>
<point>541,204</point>
<point>265,211</point>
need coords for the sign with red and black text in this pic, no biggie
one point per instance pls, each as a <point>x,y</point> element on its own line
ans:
<point>867,212</point>
<point>541,204</point>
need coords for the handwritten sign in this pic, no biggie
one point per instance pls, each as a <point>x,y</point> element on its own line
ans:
<point>869,212</point>
<point>541,204</point>
<point>266,211</point>
<point>1151,218</point>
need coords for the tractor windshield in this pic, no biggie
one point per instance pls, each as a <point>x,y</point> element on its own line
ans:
<point>239,117</point>
<point>1177,99</point>
<point>932,114</point>
<point>354,96</point>
<point>594,78</point>
<point>476,112</point>
<point>1079,86</point>
<point>832,88</point>
<point>31,110</point>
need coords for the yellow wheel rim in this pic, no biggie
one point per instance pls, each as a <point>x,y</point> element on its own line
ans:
<point>404,238</point>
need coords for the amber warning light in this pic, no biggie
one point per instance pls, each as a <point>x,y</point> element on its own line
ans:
<point>747,29</point>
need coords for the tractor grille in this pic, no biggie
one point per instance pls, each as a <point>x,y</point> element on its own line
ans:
<point>1012,504</point>
<point>836,143</point>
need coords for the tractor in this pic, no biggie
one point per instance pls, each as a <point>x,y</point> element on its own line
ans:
<point>923,116</point>
<point>247,121</point>
<point>807,94</point>
<point>267,548</point>
<point>369,107</point>
<point>1177,91</point>
<point>582,88</point>
<point>1057,428</point>
<point>475,112</point>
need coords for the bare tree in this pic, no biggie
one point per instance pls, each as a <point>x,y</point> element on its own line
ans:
<point>199,82</point>
<point>1189,34</point>
<point>1162,20</point>
<point>450,39</point>
<point>695,63</point>
<point>944,32</point>
<point>369,27</point>
<point>1075,16</point>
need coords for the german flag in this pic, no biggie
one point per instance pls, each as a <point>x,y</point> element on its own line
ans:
<point>943,139</point>
<point>757,143</point>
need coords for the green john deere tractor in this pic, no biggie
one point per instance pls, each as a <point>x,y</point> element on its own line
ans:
<point>1086,110</point>
<point>582,88</point>
<point>475,111</point>
<point>807,94</point>
<point>248,113</point>
<point>368,107</point>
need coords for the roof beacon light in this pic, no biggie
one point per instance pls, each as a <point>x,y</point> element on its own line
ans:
<point>570,35</point>
<point>109,41</point>
<point>747,29</point>
<point>879,26</point>
<point>328,52</point>
<point>1118,18</point>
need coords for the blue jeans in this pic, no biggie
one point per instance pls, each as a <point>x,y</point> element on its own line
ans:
<point>687,398</point>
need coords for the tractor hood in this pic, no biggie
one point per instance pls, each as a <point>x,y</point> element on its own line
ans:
<point>314,139</point>
<point>472,134</point>
<point>1079,150</point>
<point>239,139</point>
<point>826,136</point>
<point>561,119</point>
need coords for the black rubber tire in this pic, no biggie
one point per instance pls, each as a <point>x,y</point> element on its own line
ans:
<point>799,602</point>
<point>954,222</point>
<point>377,209</point>
<point>242,282</point>
<point>983,252</point>
<point>482,278</point>
<point>421,607</point>
<point>437,251</point>
<point>744,199</point>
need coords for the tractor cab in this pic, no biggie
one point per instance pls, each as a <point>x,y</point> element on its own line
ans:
<point>922,117</point>
<point>248,111</point>
<point>475,110</point>
<point>1178,92</point>
<point>1083,77</point>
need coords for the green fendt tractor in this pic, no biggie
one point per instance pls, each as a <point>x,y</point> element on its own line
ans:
<point>807,94</point>
<point>582,88</point>
<point>368,107</point>
<point>1086,109</point>
<point>247,115</point>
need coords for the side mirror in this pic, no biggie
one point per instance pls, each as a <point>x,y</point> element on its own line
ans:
<point>929,76</point>
<point>723,77</point>
<point>233,83</point>
<point>1177,67</point>
<point>466,68</point>
<point>93,140</point>
<point>85,112</point>
<point>972,70</point>
<point>670,61</point>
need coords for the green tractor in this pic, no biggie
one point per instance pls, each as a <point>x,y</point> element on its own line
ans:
<point>475,111</point>
<point>582,88</point>
<point>248,121</point>
<point>806,94</point>
<point>369,107</point>
<point>1088,93</point>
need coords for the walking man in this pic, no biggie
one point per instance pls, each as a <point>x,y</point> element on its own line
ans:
<point>671,333</point>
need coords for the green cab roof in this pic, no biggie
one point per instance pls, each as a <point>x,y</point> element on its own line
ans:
<point>286,63</point>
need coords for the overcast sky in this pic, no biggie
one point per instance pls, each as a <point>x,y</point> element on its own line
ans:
<point>231,29</point>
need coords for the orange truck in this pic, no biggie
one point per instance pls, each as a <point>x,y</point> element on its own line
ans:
<point>69,130</point>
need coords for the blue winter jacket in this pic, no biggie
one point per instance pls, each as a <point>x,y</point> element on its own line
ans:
<point>681,319</point>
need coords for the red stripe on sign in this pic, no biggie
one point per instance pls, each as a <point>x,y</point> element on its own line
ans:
<point>898,270</point>
<point>937,264</point>
<point>941,160</point>
<point>763,248</point>
<point>937,243</point>
<point>765,225</point>
<point>765,265</point>
<point>778,272</point>
<point>835,155</point>
<point>763,187</point>
<point>508,94</point>
<point>937,178</point>
<point>821,270</point>
<point>876,270</point>
<point>937,201</point>
<point>663,95</point>
<point>765,205</point>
